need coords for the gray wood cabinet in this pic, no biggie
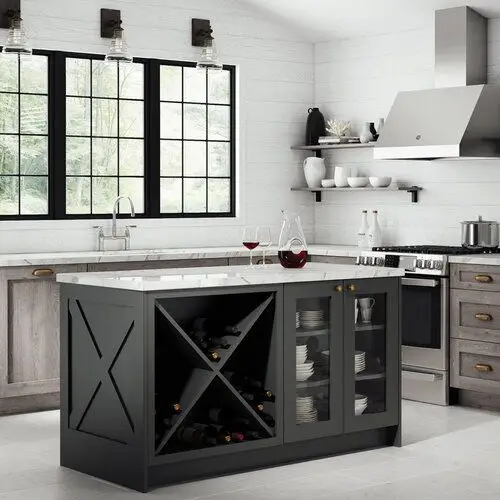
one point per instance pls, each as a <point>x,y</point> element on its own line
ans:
<point>29,337</point>
<point>475,277</point>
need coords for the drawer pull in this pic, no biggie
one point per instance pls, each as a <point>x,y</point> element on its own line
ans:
<point>483,368</point>
<point>339,288</point>
<point>484,317</point>
<point>351,288</point>
<point>483,278</point>
<point>43,273</point>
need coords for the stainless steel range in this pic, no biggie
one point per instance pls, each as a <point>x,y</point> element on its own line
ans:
<point>425,315</point>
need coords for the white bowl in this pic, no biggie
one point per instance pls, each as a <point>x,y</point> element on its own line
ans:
<point>380,182</point>
<point>302,377</point>
<point>328,183</point>
<point>305,366</point>
<point>300,359</point>
<point>357,182</point>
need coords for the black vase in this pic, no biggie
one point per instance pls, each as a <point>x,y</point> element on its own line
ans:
<point>373,131</point>
<point>316,127</point>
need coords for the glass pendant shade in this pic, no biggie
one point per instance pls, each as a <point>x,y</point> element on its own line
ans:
<point>17,43</point>
<point>209,59</point>
<point>118,52</point>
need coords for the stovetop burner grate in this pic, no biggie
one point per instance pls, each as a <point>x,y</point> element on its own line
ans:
<point>437,250</point>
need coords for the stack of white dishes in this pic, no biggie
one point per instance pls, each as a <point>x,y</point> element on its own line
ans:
<point>305,371</point>
<point>359,361</point>
<point>306,412</point>
<point>312,319</point>
<point>360,404</point>
<point>301,354</point>
<point>297,319</point>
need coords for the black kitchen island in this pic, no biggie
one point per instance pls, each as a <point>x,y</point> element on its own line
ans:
<point>175,375</point>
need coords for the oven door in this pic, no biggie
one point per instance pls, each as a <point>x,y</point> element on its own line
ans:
<point>425,311</point>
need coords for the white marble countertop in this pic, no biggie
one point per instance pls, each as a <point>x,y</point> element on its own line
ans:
<point>89,257</point>
<point>227,276</point>
<point>482,259</point>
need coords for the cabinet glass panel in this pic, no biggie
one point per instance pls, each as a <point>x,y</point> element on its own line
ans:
<point>312,328</point>
<point>370,364</point>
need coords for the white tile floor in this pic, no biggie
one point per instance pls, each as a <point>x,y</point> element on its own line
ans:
<point>448,453</point>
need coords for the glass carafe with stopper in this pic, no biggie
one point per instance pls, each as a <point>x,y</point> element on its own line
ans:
<point>292,249</point>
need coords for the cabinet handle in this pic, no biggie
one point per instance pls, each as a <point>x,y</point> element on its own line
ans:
<point>484,317</point>
<point>352,288</point>
<point>483,278</point>
<point>483,368</point>
<point>43,273</point>
<point>339,288</point>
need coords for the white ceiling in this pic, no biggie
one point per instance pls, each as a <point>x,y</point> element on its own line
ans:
<point>321,20</point>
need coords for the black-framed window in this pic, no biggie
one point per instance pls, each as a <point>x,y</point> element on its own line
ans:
<point>24,136</point>
<point>160,132</point>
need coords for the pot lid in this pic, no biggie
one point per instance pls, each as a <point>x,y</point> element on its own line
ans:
<point>480,221</point>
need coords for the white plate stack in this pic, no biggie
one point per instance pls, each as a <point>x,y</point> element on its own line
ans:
<point>360,404</point>
<point>359,361</point>
<point>312,318</point>
<point>305,371</point>
<point>301,354</point>
<point>306,412</point>
<point>297,319</point>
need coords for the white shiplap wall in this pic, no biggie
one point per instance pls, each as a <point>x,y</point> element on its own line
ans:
<point>275,88</point>
<point>357,80</point>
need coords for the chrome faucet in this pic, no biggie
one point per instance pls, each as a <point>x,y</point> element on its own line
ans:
<point>114,236</point>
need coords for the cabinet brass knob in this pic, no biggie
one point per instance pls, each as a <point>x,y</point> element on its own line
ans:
<point>352,288</point>
<point>484,317</point>
<point>483,368</point>
<point>483,278</point>
<point>43,273</point>
<point>339,288</point>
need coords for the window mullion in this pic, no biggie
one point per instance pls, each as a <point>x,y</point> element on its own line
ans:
<point>57,133</point>
<point>152,142</point>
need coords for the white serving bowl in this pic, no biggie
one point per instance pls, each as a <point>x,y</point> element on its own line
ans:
<point>328,183</point>
<point>380,182</point>
<point>358,182</point>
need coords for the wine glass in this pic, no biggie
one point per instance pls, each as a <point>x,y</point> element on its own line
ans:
<point>250,240</point>
<point>265,241</point>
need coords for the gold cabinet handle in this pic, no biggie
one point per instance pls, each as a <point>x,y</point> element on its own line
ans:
<point>43,273</point>
<point>484,317</point>
<point>339,288</point>
<point>483,278</point>
<point>352,288</point>
<point>480,367</point>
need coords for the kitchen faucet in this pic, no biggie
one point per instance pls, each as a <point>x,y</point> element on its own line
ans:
<point>114,236</point>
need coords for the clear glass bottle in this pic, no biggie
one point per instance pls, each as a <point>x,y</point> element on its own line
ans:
<point>375,232</point>
<point>363,230</point>
<point>292,247</point>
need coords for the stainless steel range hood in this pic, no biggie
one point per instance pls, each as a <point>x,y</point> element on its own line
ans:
<point>461,117</point>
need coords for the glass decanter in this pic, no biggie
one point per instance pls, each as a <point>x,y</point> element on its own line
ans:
<point>292,247</point>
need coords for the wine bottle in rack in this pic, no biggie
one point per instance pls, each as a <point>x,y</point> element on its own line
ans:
<point>223,417</point>
<point>268,419</point>
<point>191,436</point>
<point>237,437</point>
<point>215,328</point>
<point>259,408</point>
<point>249,385</point>
<point>252,435</point>
<point>214,431</point>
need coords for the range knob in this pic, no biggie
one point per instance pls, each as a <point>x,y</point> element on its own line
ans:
<point>371,261</point>
<point>419,264</point>
<point>438,264</point>
<point>380,261</point>
<point>428,264</point>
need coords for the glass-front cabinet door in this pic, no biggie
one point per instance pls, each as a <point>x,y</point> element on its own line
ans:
<point>313,360</point>
<point>371,354</point>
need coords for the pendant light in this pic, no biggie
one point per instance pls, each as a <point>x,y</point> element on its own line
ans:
<point>111,27</point>
<point>202,37</point>
<point>16,43</point>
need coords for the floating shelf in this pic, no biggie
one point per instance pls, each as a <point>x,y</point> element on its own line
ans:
<point>413,190</point>
<point>346,145</point>
<point>369,376</point>
<point>368,327</point>
<point>314,332</point>
<point>308,384</point>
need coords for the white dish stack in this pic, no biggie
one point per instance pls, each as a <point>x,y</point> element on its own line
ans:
<point>297,319</point>
<point>311,319</point>
<point>359,361</point>
<point>306,411</point>
<point>360,404</point>
<point>305,371</point>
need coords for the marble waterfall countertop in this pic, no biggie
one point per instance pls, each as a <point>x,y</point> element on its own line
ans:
<point>89,257</point>
<point>490,259</point>
<point>227,276</point>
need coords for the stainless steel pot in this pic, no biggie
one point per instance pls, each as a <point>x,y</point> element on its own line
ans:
<point>480,234</point>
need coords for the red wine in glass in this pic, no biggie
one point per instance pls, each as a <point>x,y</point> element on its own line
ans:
<point>291,260</point>
<point>251,245</point>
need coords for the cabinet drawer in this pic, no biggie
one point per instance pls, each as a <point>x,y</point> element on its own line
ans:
<point>475,315</point>
<point>475,366</point>
<point>473,277</point>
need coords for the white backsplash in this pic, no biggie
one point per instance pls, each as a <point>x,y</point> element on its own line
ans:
<point>357,80</point>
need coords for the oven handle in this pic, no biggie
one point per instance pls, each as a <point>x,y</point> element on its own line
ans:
<point>423,377</point>
<point>420,282</point>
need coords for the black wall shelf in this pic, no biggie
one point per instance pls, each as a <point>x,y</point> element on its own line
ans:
<point>318,192</point>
